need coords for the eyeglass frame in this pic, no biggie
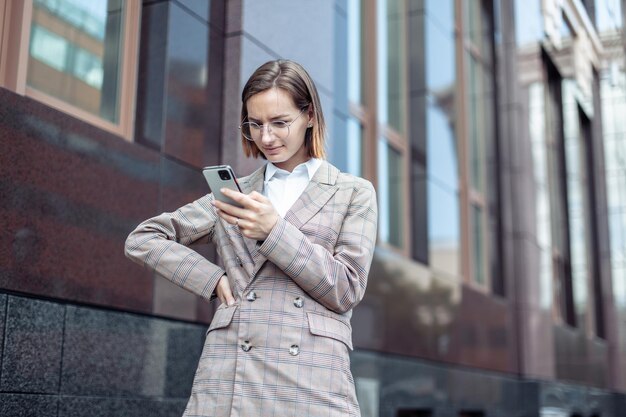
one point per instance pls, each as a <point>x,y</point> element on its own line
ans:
<point>262,127</point>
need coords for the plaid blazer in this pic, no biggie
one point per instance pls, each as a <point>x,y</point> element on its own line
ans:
<point>283,348</point>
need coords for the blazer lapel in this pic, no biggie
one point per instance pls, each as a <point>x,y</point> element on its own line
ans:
<point>317,193</point>
<point>253,182</point>
<point>320,189</point>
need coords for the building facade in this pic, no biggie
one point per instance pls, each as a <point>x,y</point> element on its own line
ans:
<point>491,129</point>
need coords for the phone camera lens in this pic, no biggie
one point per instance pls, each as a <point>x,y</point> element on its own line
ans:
<point>224,175</point>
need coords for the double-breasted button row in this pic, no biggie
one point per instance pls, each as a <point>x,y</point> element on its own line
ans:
<point>246,346</point>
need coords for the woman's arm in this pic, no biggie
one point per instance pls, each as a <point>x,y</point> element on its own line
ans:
<point>336,280</point>
<point>160,244</point>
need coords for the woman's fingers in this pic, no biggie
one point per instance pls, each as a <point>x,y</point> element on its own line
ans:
<point>257,217</point>
<point>223,291</point>
<point>229,219</point>
<point>232,211</point>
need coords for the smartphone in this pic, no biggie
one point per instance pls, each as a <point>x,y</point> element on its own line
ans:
<point>221,176</point>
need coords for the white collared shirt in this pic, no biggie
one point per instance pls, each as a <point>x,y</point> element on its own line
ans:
<point>283,187</point>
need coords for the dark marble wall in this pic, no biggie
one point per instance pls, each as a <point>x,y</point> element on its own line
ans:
<point>70,195</point>
<point>72,192</point>
<point>67,360</point>
<point>95,362</point>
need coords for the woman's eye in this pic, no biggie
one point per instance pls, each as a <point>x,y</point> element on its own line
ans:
<point>279,124</point>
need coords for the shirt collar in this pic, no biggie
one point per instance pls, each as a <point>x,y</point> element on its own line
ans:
<point>311,166</point>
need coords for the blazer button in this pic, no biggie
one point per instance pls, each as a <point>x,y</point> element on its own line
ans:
<point>251,296</point>
<point>294,350</point>
<point>298,302</point>
<point>245,346</point>
<point>239,261</point>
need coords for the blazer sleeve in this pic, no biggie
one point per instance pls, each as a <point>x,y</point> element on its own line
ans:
<point>336,280</point>
<point>160,244</point>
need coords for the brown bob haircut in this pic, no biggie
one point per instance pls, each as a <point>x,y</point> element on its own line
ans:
<point>292,78</point>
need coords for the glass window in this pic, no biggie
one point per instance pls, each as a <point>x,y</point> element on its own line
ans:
<point>88,67</point>
<point>580,201</point>
<point>355,51</point>
<point>608,15</point>
<point>392,77</point>
<point>48,47</point>
<point>558,194</point>
<point>536,121</point>
<point>390,194</point>
<point>442,148</point>
<point>355,147</point>
<point>443,191</point>
<point>346,146</point>
<point>482,158</point>
<point>75,53</point>
<point>478,229</point>
<point>433,138</point>
<point>440,48</point>
<point>477,122</point>
<point>531,31</point>
<point>443,228</point>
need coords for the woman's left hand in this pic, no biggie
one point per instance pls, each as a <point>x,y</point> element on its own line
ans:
<point>257,217</point>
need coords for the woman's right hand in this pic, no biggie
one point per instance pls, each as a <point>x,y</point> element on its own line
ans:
<point>223,291</point>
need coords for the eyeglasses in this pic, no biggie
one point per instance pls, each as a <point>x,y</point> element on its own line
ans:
<point>253,131</point>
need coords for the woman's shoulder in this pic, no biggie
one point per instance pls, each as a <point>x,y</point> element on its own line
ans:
<point>347,180</point>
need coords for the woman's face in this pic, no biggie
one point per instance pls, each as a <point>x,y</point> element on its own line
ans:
<point>276,105</point>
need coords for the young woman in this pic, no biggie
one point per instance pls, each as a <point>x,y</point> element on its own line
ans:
<point>295,262</point>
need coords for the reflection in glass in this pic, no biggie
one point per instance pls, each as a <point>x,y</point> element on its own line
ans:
<point>392,93</point>
<point>478,227</point>
<point>618,238</point>
<point>478,28</point>
<point>608,15</point>
<point>355,51</point>
<point>480,101</point>
<point>476,122</point>
<point>75,53</point>
<point>440,54</point>
<point>577,199</point>
<point>49,48</point>
<point>613,95</point>
<point>355,147</point>
<point>559,215</point>
<point>443,228</point>
<point>531,31</point>
<point>441,13</point>
<point>536,127</point>
<point>390,194</point>
<point>442,172</point>
<point>619,286</point>
<point>442,149</point>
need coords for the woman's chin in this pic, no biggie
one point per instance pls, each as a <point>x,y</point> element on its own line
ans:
<point>274,158</point>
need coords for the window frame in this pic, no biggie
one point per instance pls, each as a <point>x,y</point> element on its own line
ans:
<point>374,130</point>
<point>469,196</point>
<point>15,29</point>
<point>383,131</point>
<point>563,309</point>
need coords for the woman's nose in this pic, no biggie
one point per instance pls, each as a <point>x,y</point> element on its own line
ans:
<point>266,134</point>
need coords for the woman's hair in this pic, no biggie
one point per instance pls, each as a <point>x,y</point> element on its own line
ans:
<point>292,78</point>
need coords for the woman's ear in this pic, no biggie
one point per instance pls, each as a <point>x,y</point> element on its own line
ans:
<point>310,115</point>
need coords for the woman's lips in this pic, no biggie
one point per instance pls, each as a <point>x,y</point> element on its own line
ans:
<point>272,151</point>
